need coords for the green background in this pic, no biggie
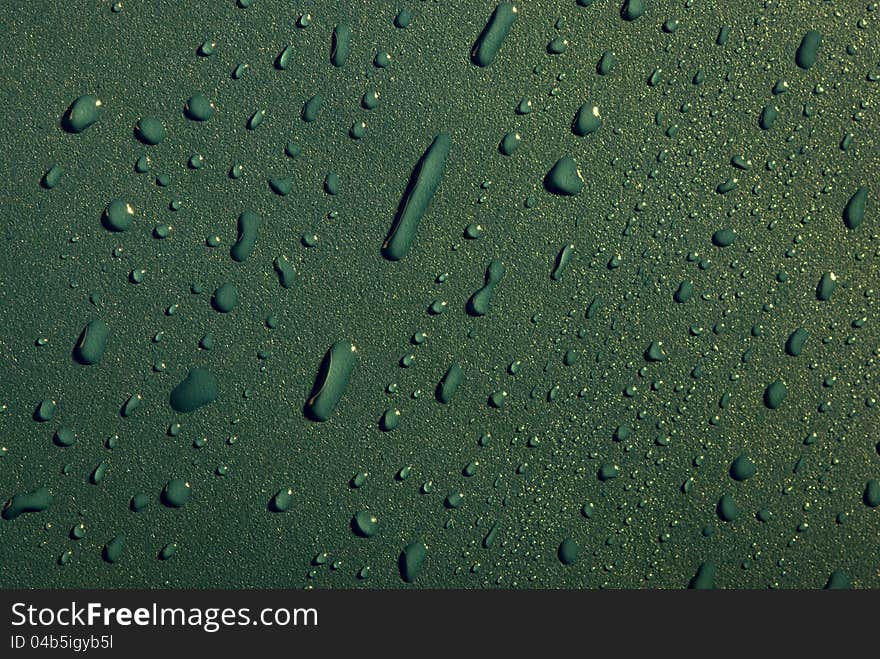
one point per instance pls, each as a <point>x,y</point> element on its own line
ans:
<point>650,202</point>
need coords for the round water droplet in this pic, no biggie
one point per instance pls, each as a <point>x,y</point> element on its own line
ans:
<point>176,493</point>
<point>150,130</point>
<point>365,524</point>
<point>118,216</point>
<point>225,297</point>
<point>742,468</point>
<point>568,551</point>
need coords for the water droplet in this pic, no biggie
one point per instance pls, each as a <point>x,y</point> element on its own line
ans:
<point>150,130</point>
<point>199,108</point>
<point>365,524</point>
<point>118,216</point>
<point>497,28</point>
<point>808,50</point>
<point>176,493</point>
<point>225,297</point>
<point>82,114</point>
<point>422,185</point>
<point>331,381</point>
<point>564,178</point>
<point>199,388</point>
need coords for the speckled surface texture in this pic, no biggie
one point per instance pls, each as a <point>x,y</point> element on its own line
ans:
<point>671,379</point>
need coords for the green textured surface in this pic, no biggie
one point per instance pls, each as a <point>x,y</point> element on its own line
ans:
<point>617,375</point>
